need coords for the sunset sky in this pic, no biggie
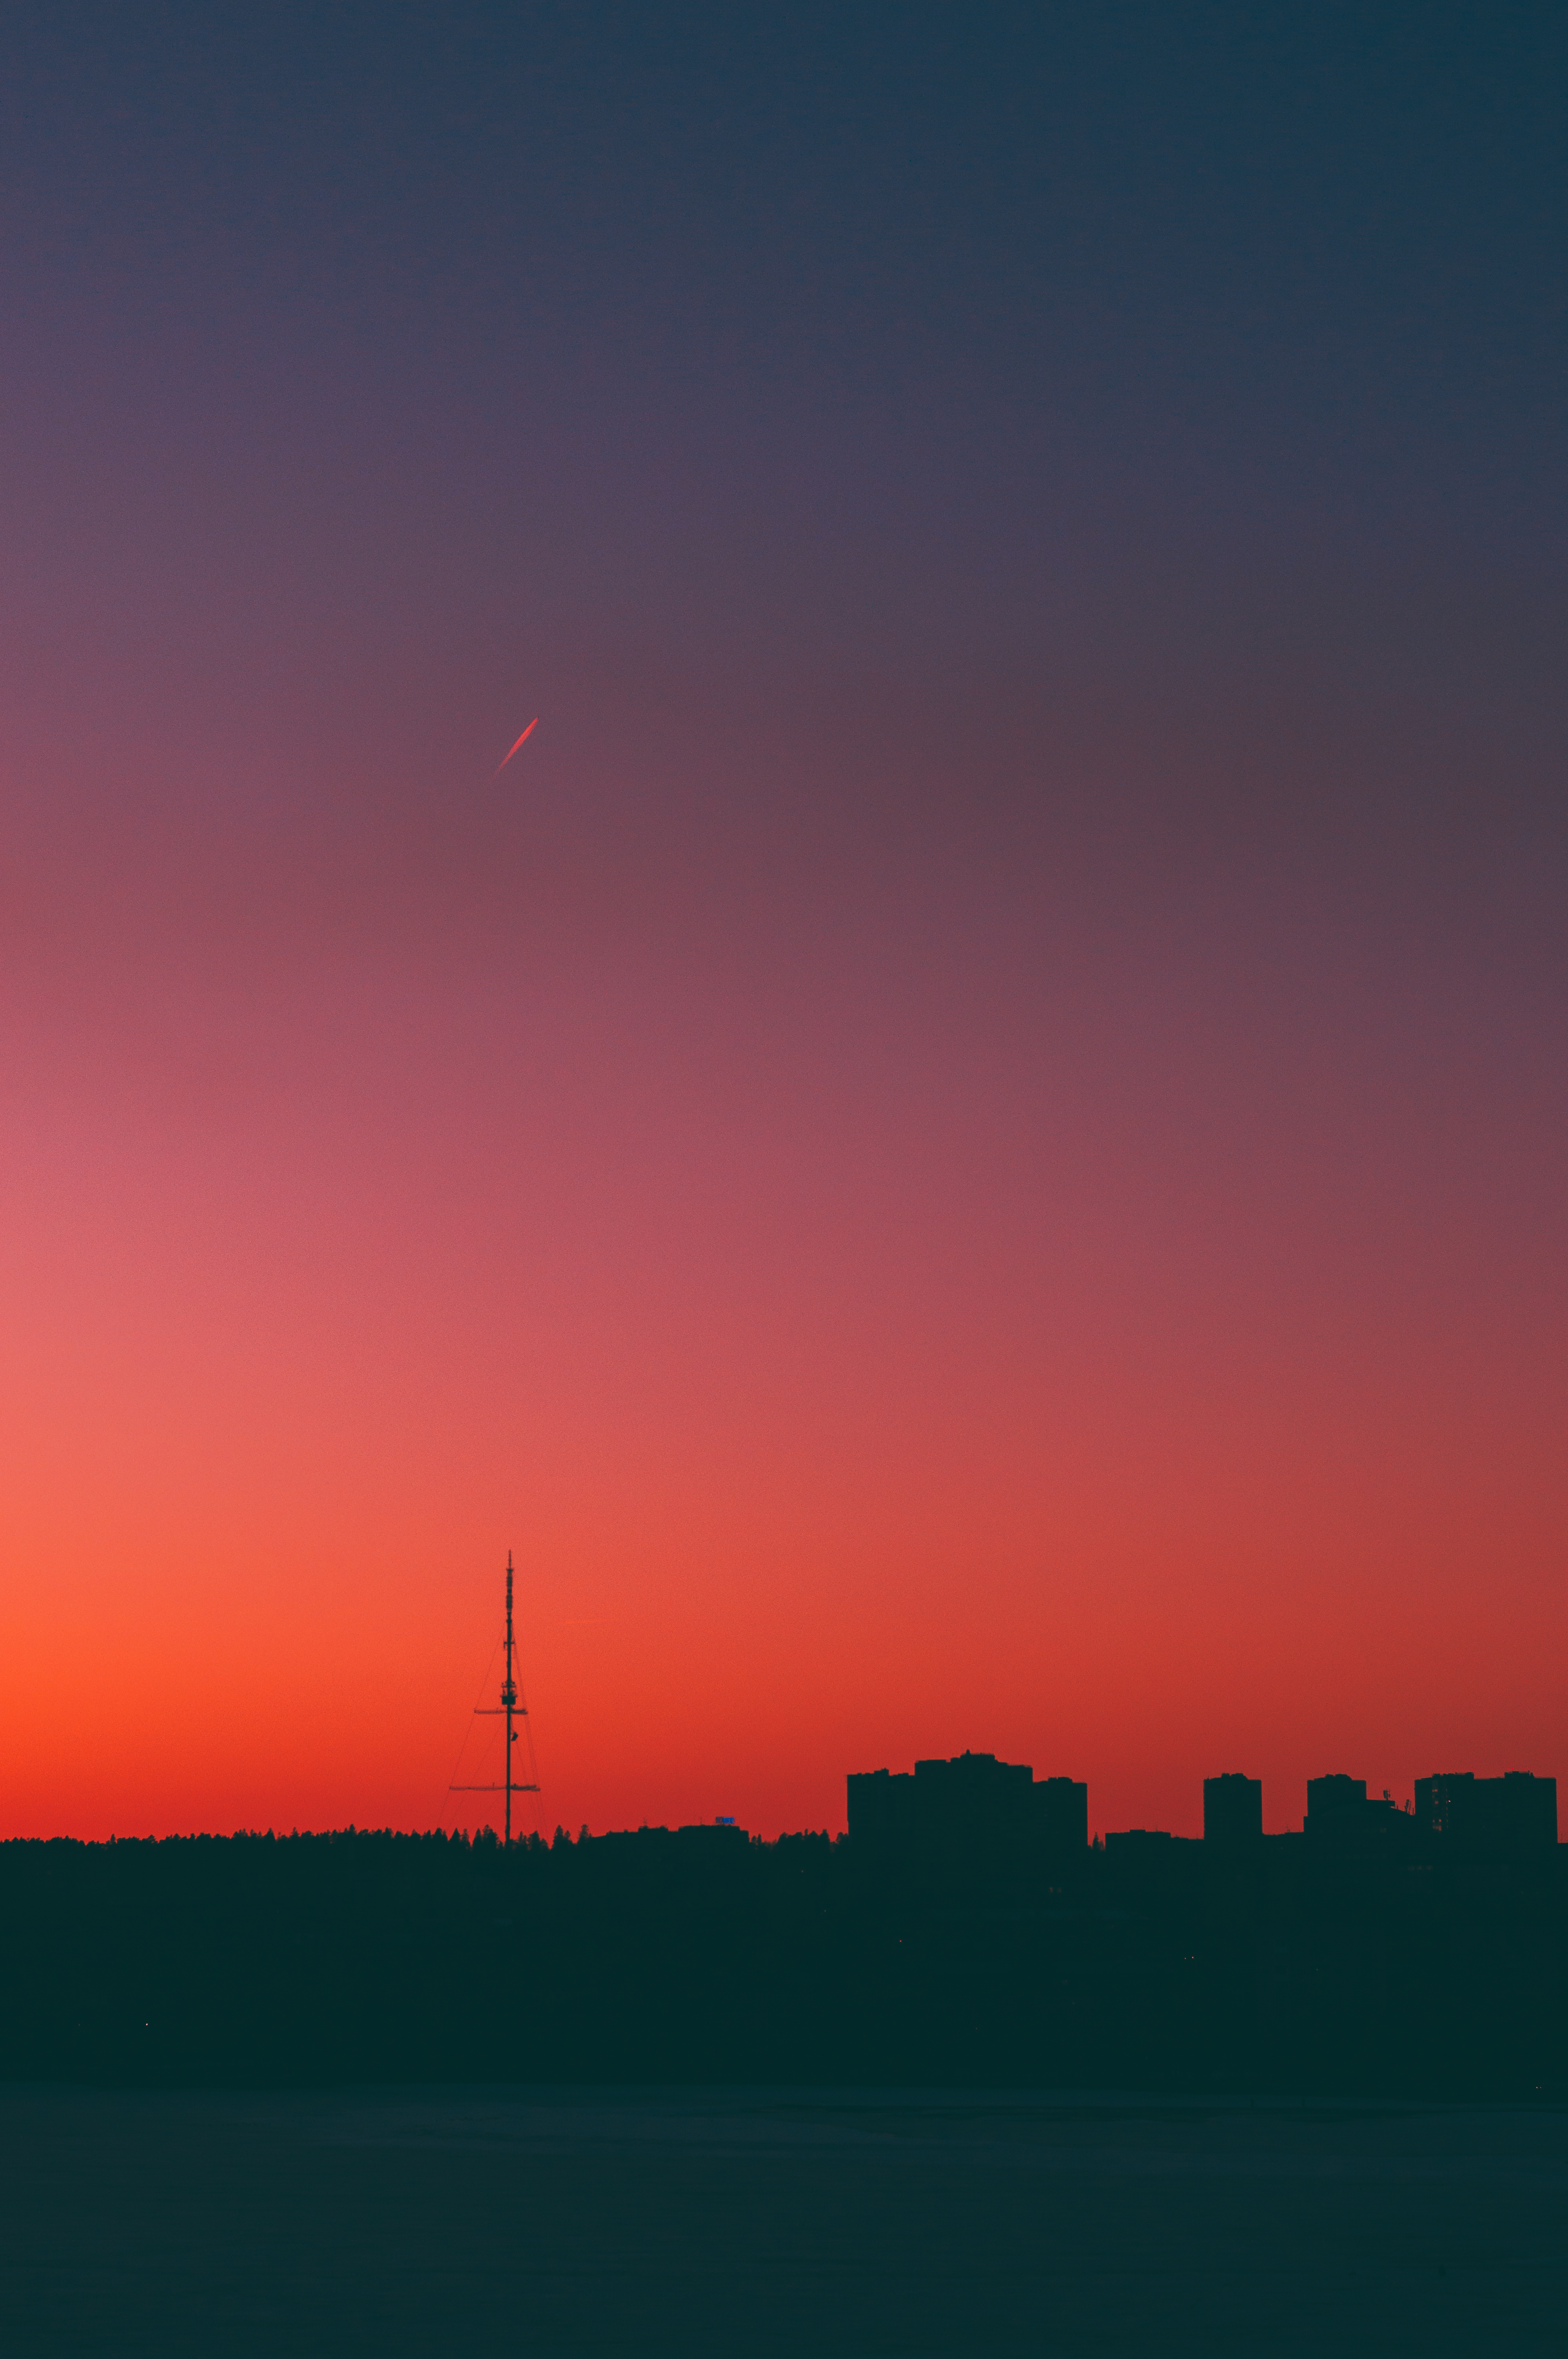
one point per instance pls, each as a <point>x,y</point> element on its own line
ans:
<point>970,1145</point>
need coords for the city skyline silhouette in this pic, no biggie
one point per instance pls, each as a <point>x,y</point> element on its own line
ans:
<point>966,1145</point>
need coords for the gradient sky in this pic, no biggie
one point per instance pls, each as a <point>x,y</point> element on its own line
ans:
<point>970,1146</point>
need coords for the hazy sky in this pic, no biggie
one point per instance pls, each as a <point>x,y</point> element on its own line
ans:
<point>968,1147</point>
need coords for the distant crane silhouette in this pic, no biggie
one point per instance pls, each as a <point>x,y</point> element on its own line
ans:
<point>510,1708</point>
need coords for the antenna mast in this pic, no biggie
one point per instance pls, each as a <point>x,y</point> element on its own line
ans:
<point>510,1707</point>
<point>509,1697</point>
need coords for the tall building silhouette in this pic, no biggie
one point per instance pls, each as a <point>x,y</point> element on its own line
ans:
<point>1328,1797</point>
<point>1464,1815</point>
<point>1341,1813</point>
<point>1233,1810</point>
<point>1061,1808</point>
<point>972,1814</point>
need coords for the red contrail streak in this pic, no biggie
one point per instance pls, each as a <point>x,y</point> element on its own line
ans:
<point>506,757</point>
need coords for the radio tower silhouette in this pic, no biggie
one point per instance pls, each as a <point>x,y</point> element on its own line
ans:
<point>510,1707</point>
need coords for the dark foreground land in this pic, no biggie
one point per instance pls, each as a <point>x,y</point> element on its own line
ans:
<point>786,2221</point>
<point>701,1957</point>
